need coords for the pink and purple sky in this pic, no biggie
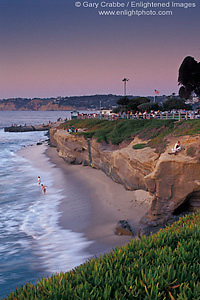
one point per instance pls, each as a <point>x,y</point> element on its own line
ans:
<point>51,48</point>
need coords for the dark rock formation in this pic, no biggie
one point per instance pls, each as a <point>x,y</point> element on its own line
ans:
<point>26,128</point>
<point>123,228</point>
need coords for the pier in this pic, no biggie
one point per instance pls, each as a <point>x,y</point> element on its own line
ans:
<point>26,128</point>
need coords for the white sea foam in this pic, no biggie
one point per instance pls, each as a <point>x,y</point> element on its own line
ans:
<point>2,280</point>
<point>37,216</point>
<point>51,249</point>
<point>58,249</point>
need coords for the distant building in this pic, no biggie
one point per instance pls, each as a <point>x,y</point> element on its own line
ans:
<point>193,100</point>
<point>74,114</point>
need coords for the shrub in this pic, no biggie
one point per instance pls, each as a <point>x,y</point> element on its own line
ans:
<point>139,146</point>
<point>165,265</point>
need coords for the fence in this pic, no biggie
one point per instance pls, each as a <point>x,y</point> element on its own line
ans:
<point>159,116</point>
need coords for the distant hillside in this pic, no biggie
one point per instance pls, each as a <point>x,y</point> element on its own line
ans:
<point>60,103</point>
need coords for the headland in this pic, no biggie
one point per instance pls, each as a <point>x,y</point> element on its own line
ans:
<point>140,162</point>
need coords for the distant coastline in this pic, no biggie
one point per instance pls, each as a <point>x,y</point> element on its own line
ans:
<point>59,103</point>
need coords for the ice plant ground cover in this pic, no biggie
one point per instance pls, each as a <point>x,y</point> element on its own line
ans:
<point>165,265</point>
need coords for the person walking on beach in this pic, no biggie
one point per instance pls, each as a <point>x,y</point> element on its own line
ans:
<point>176,149</point>
<point>43,188</point>
<point>38,180</point>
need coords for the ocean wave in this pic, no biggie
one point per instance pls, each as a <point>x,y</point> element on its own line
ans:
<point>59,249</point>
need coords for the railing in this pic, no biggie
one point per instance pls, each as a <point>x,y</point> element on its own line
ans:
<point>159,116</point>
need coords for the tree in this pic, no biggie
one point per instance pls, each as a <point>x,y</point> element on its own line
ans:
<point>135,102</point>
<point>131,104</point>
<point>189,77</point>
<point>124,101</point>
<point>176,104</point>
<point>148,107</point>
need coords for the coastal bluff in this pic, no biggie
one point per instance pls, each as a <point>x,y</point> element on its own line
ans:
<point>173,181</point>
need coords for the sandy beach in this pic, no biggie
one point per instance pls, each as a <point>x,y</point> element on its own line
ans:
<point>92,203</point>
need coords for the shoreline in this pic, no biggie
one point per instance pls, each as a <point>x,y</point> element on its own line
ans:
<point>93,203</point>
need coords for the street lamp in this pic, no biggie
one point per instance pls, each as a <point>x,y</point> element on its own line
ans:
<point>125,81</point>
<point>100,109</point>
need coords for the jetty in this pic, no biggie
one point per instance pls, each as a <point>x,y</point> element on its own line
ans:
<point>26,128</point>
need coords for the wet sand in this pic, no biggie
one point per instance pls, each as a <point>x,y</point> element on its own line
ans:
<point>92,203</point>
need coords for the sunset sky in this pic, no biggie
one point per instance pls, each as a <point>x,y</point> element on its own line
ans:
<point>52,48</point>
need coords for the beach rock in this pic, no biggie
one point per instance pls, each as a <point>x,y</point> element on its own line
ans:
<point>171,180</point>
<point>123,228</point>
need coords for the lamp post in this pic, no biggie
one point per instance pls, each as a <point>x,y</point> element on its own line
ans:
<point>100,109</point>
<point>125,80</point>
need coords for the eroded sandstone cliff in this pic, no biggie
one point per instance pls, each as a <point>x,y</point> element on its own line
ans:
<point>171,180</point>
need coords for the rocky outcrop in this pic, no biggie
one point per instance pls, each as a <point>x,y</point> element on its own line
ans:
<point>174,181</point>
<point>171,180</point>
<point>26,128</point>
<point>73,149</point>
<point>123,228</point>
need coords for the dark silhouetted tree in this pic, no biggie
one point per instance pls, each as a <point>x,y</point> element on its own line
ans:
<point>148,107</point>
<point>123,102</point>
<point>131,104</point>
<point>135,102</point>
<point>189,77</point>
<point>175,104</point>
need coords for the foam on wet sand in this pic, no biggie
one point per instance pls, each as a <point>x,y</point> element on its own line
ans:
<point>92,203</point>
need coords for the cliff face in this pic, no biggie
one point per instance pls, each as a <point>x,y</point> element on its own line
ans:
<point>175,180</point>
<point>126,166</point>
<point>171,180</point>
<point>33,105</point>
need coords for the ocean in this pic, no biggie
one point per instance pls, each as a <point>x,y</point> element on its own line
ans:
<point>32,245</point>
